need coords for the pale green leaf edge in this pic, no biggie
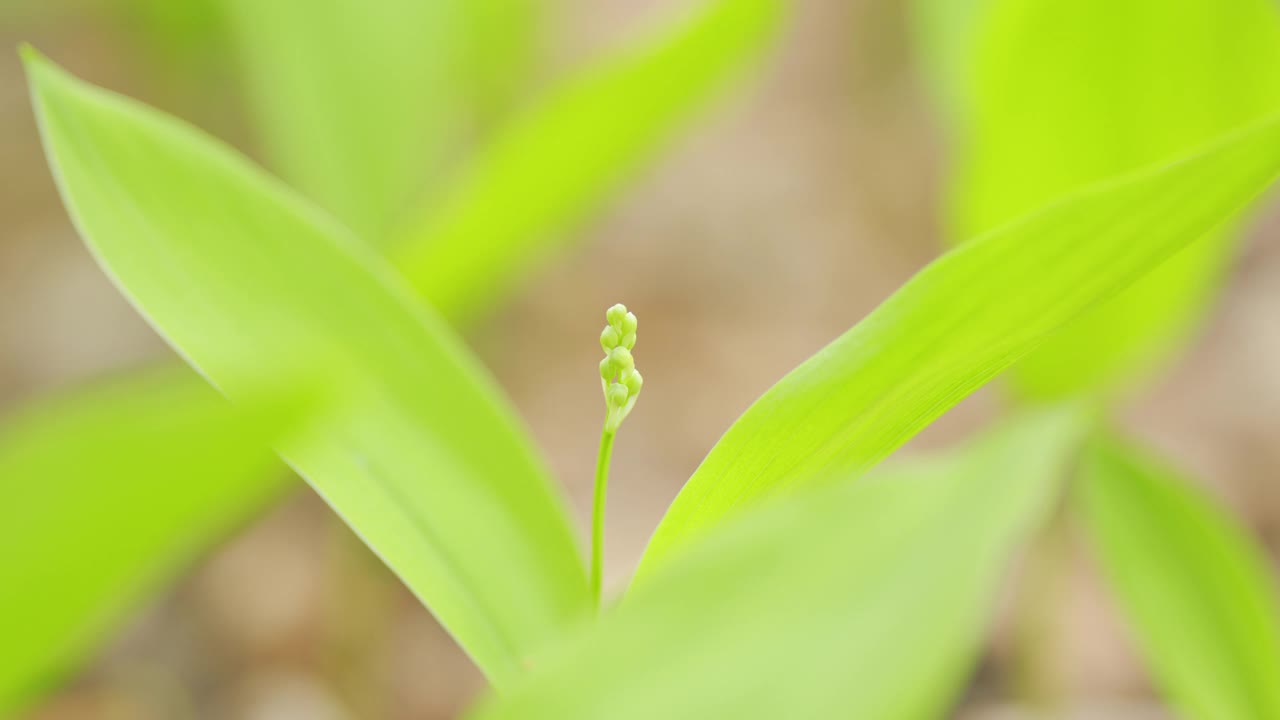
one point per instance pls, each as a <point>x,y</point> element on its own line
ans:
<point>962,320</point>
<point>1197,590</point>
<point>861,599</point>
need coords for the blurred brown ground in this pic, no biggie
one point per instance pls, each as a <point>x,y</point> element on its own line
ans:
<point>780,220</point>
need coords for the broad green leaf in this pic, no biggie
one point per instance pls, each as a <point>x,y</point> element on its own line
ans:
<point>960,321</point>
<point>356,101</point>
<point>1060,95</point>
<point>570,150</point>
<point>171,466</point>
<point>417,450</point>
<point>862,600</point>
<point>1196,588</point>
<point>494,69</point>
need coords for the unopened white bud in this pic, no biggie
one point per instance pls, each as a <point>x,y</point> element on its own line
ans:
<point>634,382</point>
<point>618,395</point>
<point>615,315</point>
<point>619,378</point>
<point>622,359</point>
<point>609,338</point>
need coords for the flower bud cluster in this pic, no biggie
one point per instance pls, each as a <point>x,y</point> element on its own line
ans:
<point>618,375</point>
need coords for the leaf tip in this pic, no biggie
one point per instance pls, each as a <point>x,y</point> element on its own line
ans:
<point>39,68</point>
<point>32,59</point>
<point>28,53</point>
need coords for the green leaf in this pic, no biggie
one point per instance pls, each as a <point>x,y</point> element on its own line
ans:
<point>319,101</point>
<point>171,465</point>
<point>570,150</point>
<point>962,320</point>
<point>1196,588</point>
<point>500,45</point>
<point>186,28</point>
<point>861,600</point>
<point>1060,95</point>
<point>417,449</point>
<point>356,101</point>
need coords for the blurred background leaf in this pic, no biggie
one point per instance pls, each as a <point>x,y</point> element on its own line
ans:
<point>417,451</point>
<point>959,322</point>
<point>567,153</point>
<point>357,102</point>
<point>501,43</point>
<point>107,492</point>
<point>861,600</point>
<point>1044,98</point>
<point>1196,588</point>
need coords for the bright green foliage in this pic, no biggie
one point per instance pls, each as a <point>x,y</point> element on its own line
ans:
<point>362,174</point>
<point>962,320</point>
<point>354,99</point>
<point>1196,588</point>
<point>173,467</point>
<point>499,41</point>
<point>861,600</point>
<point>416,449</point>
<point>570,150</point>
<point>1054,96</point>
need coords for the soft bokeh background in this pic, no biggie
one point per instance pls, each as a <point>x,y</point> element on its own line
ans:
<point>785,214</point>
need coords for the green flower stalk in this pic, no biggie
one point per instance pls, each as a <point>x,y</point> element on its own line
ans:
<point>621,383</point>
